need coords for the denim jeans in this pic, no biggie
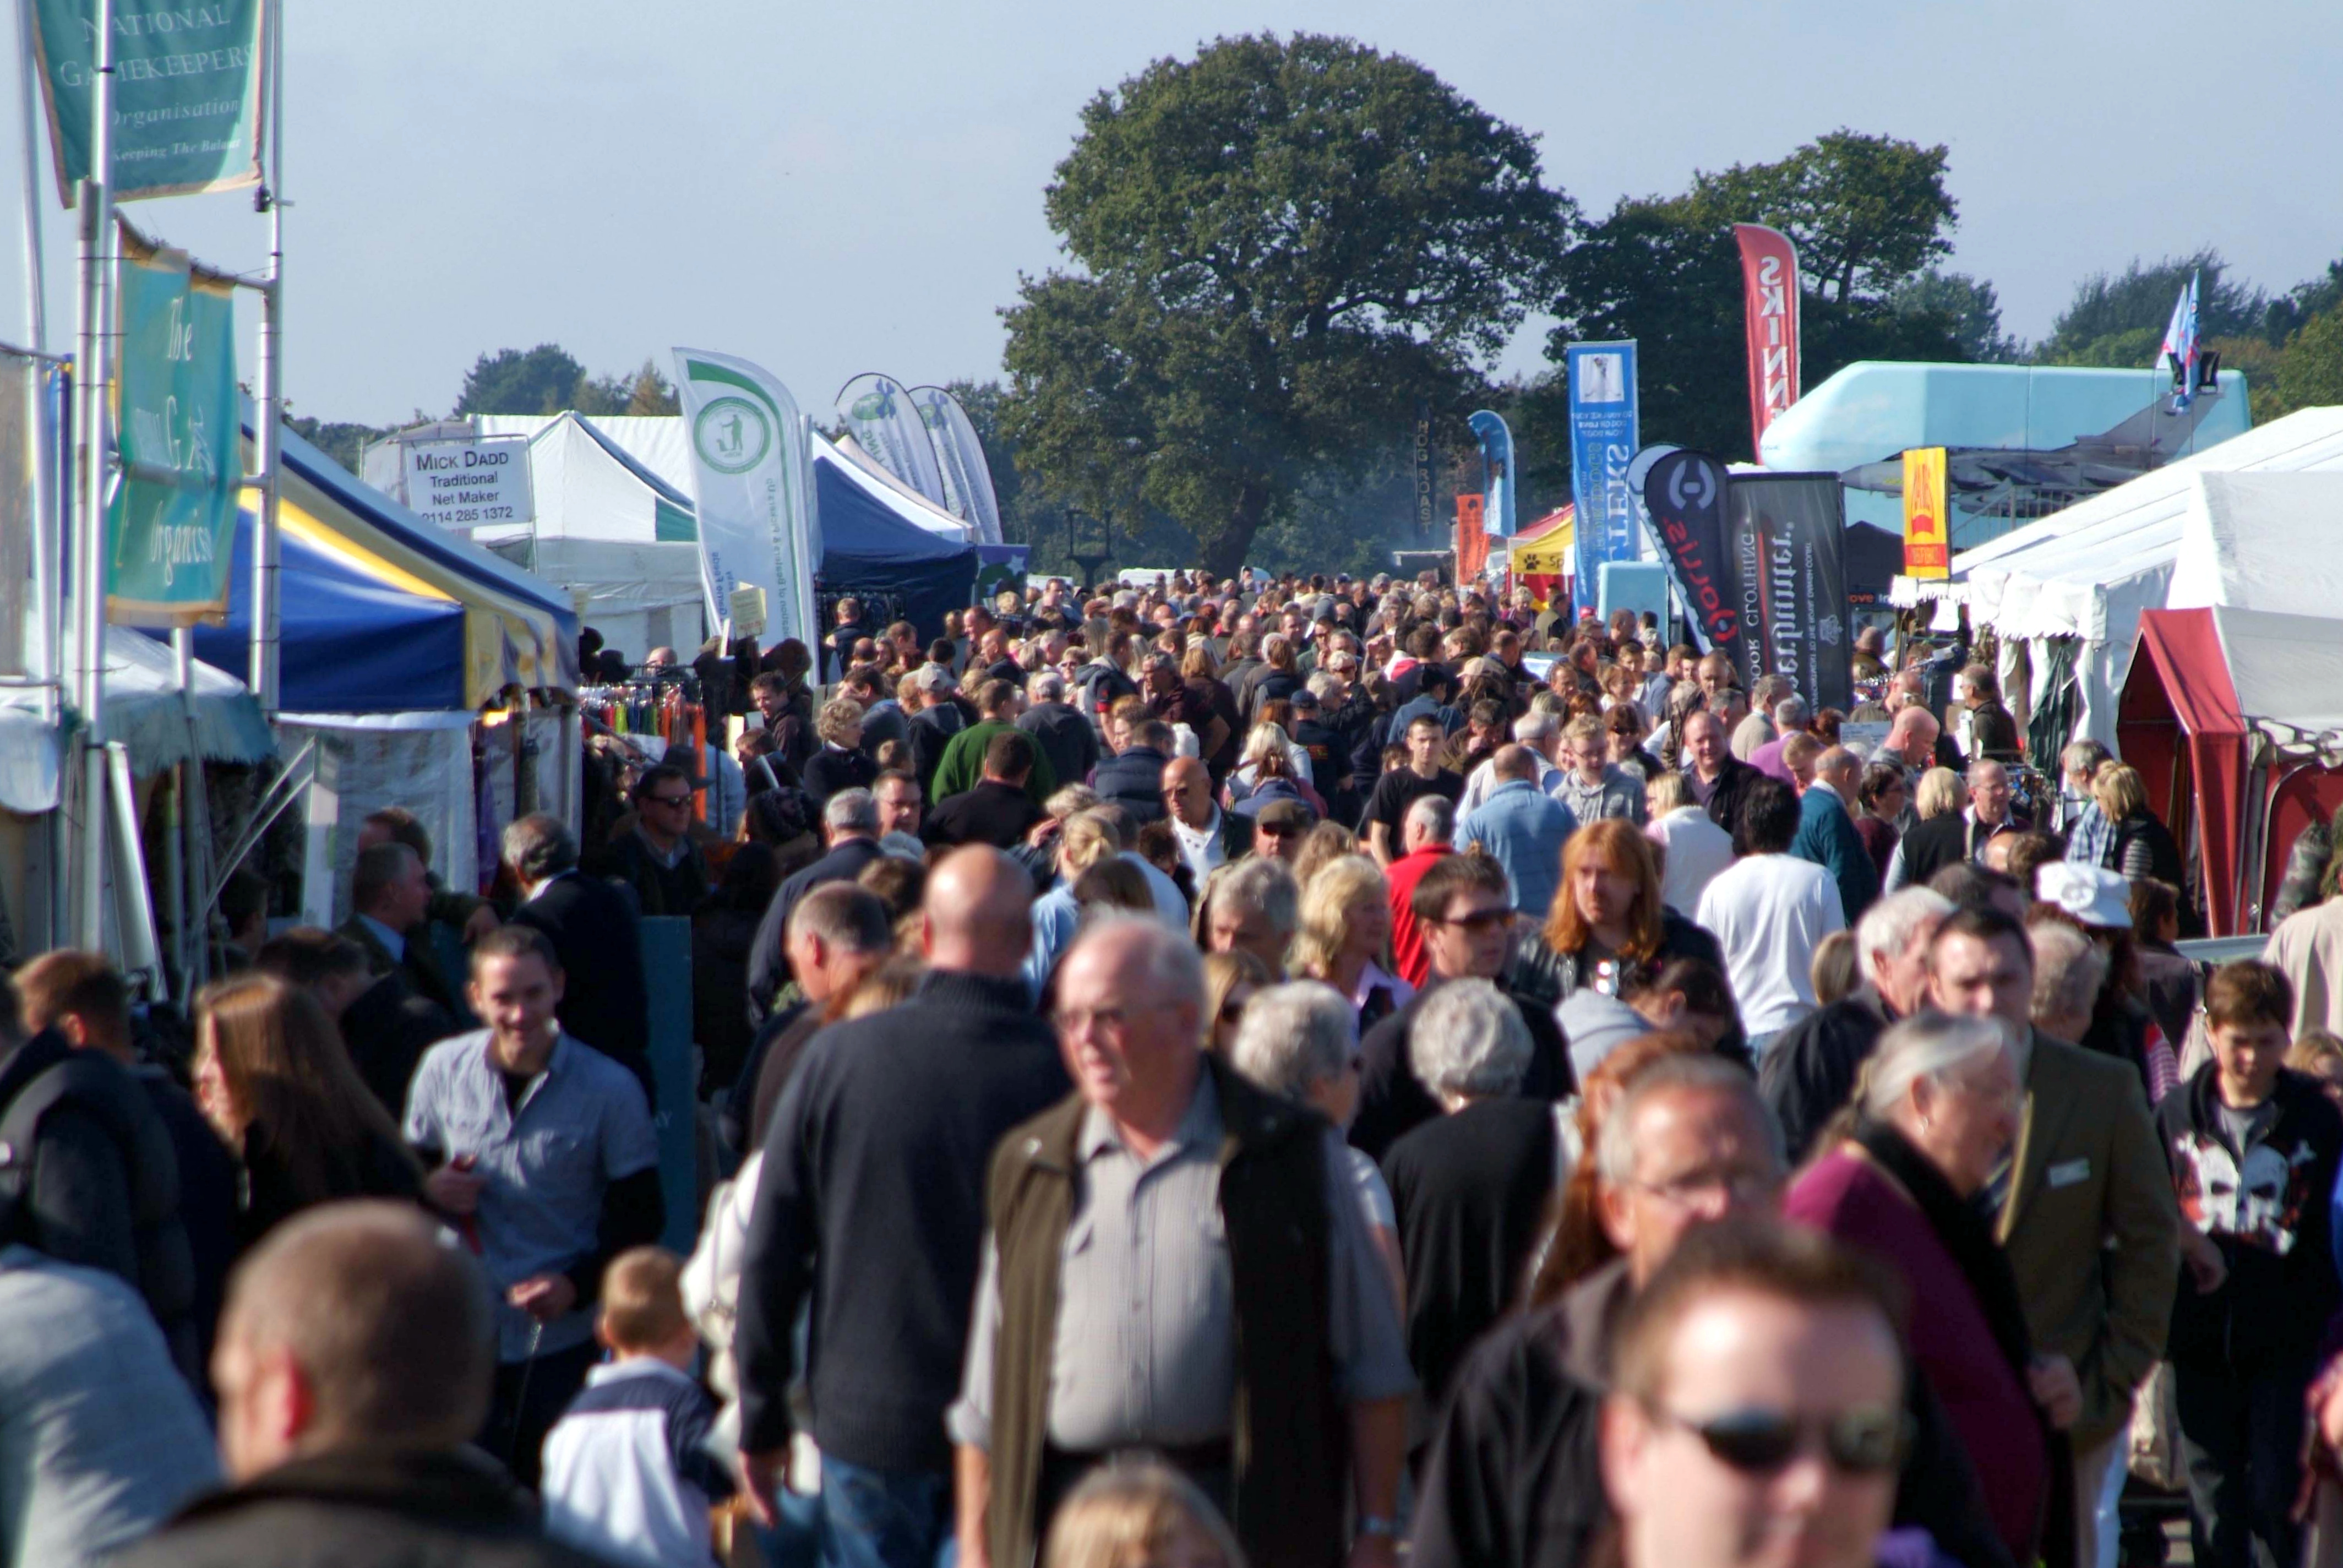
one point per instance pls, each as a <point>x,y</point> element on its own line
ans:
<point>2241,1441</point>
<point>881,1518</point>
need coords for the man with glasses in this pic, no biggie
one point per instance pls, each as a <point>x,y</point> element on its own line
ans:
<point>1464,908</point>
<point>1178,1264</point>
<point>1758,1417</point>
<point>1513,1474</point>
<point>657,857</point>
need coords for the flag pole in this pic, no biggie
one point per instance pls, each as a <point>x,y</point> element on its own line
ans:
<point>95,369</point>
<point>268,448</point>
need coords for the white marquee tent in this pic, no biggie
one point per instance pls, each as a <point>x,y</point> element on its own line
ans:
<point>610,527</point>
<point>2255,523</point>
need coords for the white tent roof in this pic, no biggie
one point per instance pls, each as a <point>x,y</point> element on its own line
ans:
<point>585,489</point>
<point>2287,668</point>
<point>2088,570</point>
<point>2252,524</point>
<point>145,709</point>
<point>611,526</point>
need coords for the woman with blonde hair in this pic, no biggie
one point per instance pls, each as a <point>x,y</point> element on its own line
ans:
<point>1270,753</point>
<point>274,1079</point>
<point>1088,838</point>
<point>841,763</point>
<point>1139,1514</point>
<point>1323,844</point>
<point>1231,981</point>
<point>1940,790</point>
<point>1345,937</point>
<point>2138,845</point>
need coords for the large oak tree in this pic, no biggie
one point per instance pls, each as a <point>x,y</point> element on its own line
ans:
<point>1279,247</point>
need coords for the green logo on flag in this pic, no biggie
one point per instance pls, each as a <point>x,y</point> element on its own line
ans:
<point>732,434</point>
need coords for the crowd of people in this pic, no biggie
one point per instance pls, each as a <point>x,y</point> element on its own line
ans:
<point>1278,1071</point>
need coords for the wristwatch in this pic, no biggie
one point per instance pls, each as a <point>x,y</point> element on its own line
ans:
<point>1376,1524</point>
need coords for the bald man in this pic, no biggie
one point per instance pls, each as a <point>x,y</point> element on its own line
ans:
<point>352,1367</point>
<point>870,1207</point>
<point>1208,838</point>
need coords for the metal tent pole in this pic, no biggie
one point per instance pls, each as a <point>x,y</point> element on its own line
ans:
<point>41,443</point>
<point>96,364</point>
<point>266,545</point>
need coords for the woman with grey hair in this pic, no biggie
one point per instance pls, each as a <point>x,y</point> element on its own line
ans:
<point>1472,1187</point>
<point>1301,1043</point>
<point>1935,1114</point>
<point>2069,968</point>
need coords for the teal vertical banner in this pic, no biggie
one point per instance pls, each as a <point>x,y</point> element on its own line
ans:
<point>188,85</point>
<point>667,967</point>
<point>171,517</point>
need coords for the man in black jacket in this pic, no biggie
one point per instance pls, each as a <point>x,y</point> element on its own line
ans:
<point>1065,736</point>
<point>390,894</point>
<point>871,1206</point>
<point>597,941</point>
<point>353,1371</point>
<point>84,999</point>
<point>1134,777</point>
<point>850,821</point>
<point>1514,1476</point>
<point>1809,1072</point>
<point>89,1175</point>
<point>998,811</point>
<point>1718,778</point>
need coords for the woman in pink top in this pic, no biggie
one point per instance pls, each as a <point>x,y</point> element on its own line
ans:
<point>1938,1108</point>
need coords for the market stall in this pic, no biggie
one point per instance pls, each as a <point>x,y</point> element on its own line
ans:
<point>428,673</point>
<point>2234,718</point>
<point>2252,524</point>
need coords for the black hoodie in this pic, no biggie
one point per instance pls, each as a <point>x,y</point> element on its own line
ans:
<point>2267,1206</point>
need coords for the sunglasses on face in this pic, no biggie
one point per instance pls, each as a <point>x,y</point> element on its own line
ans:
<point>1481,919</point>
<point>1867,1441</point>
<point>667,799</point>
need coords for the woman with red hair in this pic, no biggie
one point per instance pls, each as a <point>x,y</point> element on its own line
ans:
<point>1609,926</point>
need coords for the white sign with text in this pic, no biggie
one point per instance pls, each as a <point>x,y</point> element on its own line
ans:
<point>466,483</point>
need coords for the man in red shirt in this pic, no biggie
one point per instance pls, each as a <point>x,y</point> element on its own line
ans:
<point>1427,833</point>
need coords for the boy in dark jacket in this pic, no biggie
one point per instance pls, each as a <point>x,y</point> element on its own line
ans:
<point>2254,1150</point>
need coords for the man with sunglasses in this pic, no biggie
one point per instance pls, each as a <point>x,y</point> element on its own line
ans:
<point>658,859</point>
<point>1758,1418</point>
<point>1513,1475</point>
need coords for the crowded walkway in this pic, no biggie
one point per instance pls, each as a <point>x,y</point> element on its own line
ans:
<point>1277,1070</point>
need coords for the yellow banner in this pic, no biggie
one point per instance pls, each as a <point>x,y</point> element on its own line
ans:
<point>1927,549</point>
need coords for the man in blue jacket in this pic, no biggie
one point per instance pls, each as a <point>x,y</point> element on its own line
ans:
<point>1827,834</point>
<point>1522,827</point>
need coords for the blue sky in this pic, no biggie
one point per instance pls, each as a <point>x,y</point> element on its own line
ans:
<point>833,189</point>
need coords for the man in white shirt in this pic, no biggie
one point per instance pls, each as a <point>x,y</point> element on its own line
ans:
<point>1769,910</point>
<point>1197,824</point>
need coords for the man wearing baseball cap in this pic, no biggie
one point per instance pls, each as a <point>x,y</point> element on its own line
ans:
<point>1279,830</point>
